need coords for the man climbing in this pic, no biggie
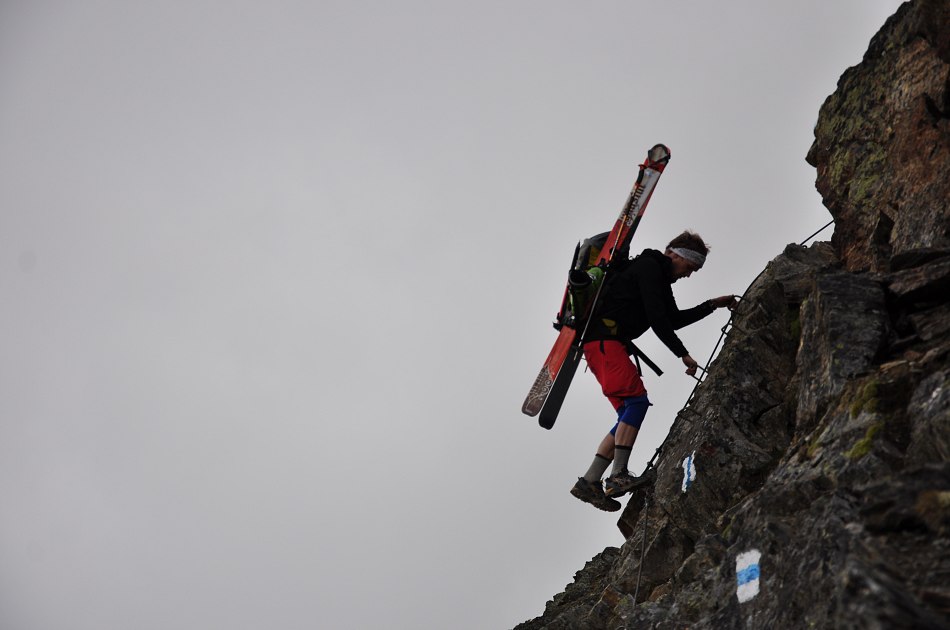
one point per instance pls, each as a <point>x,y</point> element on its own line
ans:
<point>639,296</point>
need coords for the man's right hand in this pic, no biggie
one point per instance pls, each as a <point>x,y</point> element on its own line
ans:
<point>690,364</point>
<point>728,301</point>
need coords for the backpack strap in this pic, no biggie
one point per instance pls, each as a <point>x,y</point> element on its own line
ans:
<point>638,356</point>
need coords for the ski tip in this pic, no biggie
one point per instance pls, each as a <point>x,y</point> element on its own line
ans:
<point>659,154</point>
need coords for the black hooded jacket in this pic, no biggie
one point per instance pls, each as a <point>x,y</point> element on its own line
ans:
<point>640,296</point>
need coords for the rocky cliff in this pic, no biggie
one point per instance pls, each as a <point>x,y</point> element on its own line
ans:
<point>807,483</point>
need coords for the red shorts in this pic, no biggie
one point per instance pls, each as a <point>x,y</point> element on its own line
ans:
<point>616,373</point>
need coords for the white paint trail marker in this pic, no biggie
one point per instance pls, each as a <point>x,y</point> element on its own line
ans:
<point>747,575</point>
<point>689,471</point>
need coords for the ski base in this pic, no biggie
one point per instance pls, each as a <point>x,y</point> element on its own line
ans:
<point>544,383</point>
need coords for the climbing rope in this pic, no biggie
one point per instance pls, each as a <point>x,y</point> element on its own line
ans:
<point>643,547</point>
<point>724,332</point>
<point>820,230</point>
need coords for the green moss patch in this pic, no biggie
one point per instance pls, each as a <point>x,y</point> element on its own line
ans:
<point>863,446</point>
<point>866,400</point>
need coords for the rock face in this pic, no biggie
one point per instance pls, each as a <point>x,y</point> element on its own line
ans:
<point>881,142</point>
<point>807,484</point>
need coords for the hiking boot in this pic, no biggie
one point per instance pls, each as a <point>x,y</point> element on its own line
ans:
<point>593,493</point>
<point>623,482</point>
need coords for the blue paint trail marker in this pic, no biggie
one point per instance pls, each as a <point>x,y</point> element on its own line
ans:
<point>689,471</point>
<point>747,575</point>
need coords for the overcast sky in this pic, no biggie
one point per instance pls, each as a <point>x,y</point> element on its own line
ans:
<point>276,277</point>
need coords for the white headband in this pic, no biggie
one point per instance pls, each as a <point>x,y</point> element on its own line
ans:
<point>694,257</point>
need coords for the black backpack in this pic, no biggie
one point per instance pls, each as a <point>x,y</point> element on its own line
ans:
<point>585,279</point>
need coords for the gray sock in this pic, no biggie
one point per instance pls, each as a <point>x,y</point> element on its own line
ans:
<point>621,457</point>
<point>597,469</point>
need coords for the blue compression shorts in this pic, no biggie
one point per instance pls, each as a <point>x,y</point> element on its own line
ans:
<point>632,411</point>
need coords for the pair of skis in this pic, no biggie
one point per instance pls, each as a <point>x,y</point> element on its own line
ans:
<point>550,387</point>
